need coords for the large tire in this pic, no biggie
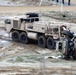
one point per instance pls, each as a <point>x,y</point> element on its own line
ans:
<point>50,42</point>
<point>15,36</point>
<point>75,42</point>
<point>23,38</point>
<point>42,41</point>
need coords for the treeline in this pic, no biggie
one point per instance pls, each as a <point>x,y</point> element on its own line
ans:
<point>69,1</point>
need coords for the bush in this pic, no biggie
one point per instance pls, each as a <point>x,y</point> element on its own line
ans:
<point>19,59</point>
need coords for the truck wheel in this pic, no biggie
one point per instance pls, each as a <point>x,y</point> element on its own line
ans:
<point>41,41</point>
<point>15,36</point>
<point>75,42</point>
<point>50,43</point>
<point>23,38</point>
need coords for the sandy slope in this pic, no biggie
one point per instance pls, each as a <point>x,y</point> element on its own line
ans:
<point>28,9</point>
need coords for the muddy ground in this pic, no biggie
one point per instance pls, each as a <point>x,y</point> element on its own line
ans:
<point>21,59</point>
<point>30,59</point>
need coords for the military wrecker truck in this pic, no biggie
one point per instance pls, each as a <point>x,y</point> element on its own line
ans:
<point>29,26</point>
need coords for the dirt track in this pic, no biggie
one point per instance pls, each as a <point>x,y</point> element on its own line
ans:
<point>42,8</point>
<point>57,67</point>
<point>41,67</point>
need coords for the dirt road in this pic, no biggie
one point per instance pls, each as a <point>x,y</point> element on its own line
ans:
<point>12,53</point>
<point>42,8</point>
<point>17,51</point>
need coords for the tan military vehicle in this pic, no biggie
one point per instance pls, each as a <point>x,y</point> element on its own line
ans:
<point>29,26</point>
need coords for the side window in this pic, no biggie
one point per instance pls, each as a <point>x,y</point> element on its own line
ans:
<point>30,27</point>
<point>55,30</point>
<point>8,21</point>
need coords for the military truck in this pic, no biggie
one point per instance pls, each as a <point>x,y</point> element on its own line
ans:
<point>29,26</point>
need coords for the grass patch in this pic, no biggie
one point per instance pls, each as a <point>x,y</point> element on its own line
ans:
<point>19,59</point>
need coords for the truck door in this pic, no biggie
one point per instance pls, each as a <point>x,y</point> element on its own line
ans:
<point>8,25</point>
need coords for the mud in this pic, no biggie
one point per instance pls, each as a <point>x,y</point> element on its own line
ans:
<point>21,59</point>
<point>30,59</point>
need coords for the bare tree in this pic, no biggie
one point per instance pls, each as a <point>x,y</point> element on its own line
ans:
<point>63,1</point>
<point>69,2</point>
<point>57,0</point>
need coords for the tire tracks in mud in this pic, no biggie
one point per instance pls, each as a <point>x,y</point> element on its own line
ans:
<point>36,71</point>
<point>18,70</point>
<point>16,49</point>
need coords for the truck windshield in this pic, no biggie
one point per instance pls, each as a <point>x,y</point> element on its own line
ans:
<point>7,21</point>
<point>55,30</point>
